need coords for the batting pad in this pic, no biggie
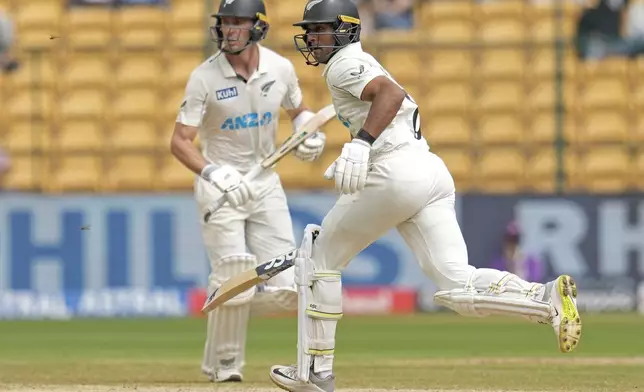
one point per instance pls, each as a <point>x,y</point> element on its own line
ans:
<point>227,325</point>
<point>506,295</point>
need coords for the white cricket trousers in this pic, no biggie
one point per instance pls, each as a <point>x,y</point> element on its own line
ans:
<point>412,190</point>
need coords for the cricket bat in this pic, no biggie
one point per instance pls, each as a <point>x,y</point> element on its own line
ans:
<point>244,281</point>
<point>307,130</point>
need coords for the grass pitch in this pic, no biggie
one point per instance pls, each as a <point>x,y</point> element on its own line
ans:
<point>432,352</point>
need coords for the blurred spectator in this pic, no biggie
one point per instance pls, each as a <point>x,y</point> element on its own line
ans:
<point>386,14</point>
<point>513,260</point>
<point>7,62</point>
<point>599,32</point>
<point>4,167</point>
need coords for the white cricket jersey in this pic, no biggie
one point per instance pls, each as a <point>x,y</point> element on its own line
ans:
<point>347,74</point>
<point>238,120</point>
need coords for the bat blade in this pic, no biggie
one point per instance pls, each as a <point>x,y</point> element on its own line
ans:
<point>248,279</point>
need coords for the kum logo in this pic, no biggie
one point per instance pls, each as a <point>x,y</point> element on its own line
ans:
<point>226,93</point>
<point>250,120</point>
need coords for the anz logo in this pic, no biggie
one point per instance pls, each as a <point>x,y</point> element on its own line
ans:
<point>250,120</point>
<point>344,121</point>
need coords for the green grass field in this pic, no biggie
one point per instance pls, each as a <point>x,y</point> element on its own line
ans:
<point>420,352</point>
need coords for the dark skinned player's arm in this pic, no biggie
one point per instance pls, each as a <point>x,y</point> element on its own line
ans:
<point>385,97</point>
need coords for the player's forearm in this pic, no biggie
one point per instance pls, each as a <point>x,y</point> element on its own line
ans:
<point>188,154</point>
<point>384,108</point>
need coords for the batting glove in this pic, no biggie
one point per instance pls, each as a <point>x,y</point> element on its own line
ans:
<point>312,147</point>
<point>230,182</point>
<point>350,169</point>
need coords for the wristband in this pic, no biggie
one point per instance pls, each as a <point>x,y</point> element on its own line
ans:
<point>364,135</point>
<point>207,171</point>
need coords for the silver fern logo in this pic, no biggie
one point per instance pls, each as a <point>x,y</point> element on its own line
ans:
<point>228,2</point>
<point>312,4</point>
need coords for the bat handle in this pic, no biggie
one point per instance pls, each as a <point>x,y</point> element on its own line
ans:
<point>254,172</point>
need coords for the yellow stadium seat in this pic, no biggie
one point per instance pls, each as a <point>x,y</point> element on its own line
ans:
<point>305,73</point>
<point>26,173</point>
<point>187,23</point>
<point>26,136</point>
<point>130,171</point>
<point>180,66</point>
<point>136,103</point>
<point>76,173</point>
<point>141,26</point>
<point>336,134</point>
<point>294,173</point>
<point>543,96</point>
<point>284,129</point>
<point>87,70</point>
<point>403,64</point>
<point>543,64</point>
<point>637,135</point>
<point>604,126</point>
<point>139,70</point>
<point>501,170</point>
<point>172,104</point>
<point>501,9</point>
<point>36,20</point>
<point>446,130</point>
<point>88,27</point>
<point>459,163</point>
<point>501,96</point>
<point>607,169</point>
<point>444,65</point>
<point>434,11</point>
<point>134,134</point>
<point>451,32</point>
<point>604,93</point>
<point>314,95</point>
<point>499,31</point>
<point>546,9</point>
<point>31,105</point>
<point>173,175</point>
<point>448,97</point>
<point>500,129</point>
<point>85,103</point>
<point>35,71</point>
<point>543,29</point>
<point>638,171</point>
<point>542,169</point>
<point>542,127</point>
<point>606,68</point>
<point>83,135</point>
<point>502,64</point>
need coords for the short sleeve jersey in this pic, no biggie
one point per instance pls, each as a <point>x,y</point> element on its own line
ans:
<point>347,74</point>
<point>238,119</point>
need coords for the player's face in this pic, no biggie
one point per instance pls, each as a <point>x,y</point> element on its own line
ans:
<point>320,41</point>
<point>236,32</point>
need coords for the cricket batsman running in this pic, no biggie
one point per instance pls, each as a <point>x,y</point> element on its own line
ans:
<point>232,101</point>
<point>389,178</point>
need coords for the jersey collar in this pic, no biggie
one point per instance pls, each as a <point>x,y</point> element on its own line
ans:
<point>229,72</point>
<point>355,47</point>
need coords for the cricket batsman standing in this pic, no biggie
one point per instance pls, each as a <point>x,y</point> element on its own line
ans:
<point>232,101</point>
<point>389,178</point>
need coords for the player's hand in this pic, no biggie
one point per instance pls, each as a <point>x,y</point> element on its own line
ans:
<point>350,169</point>
<point>230,182</point>
<point>312,147</point>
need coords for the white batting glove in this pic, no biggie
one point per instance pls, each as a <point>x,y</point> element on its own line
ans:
<point>350,169</point>
<point>312,147</point>
<point>230,182</point>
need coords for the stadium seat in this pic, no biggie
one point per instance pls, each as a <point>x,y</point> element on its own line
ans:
<point>26,173</point>
<point>604,94</point>
<point>316,95</point>
<point>502,64</point>
<point>37,70</point>
<point>25,136</point>
<point>616,68</point>
<point>295,174</point>
<point>131,172</point>
<point>134,134</point>
<point>459,163</point>
<point>447,64</point>
<point>543,30</point>
<point>136,104</point>
<point>542,64</point>
<point>500,129</point>
<point>30,105</point>
<point>80,135</point>
<point>405,65</point>
<point>434,11</point>
<point>75,173</point>
<point>172,104</point>
<point>607,169</point>
<point>187,27</point>
<point>88,27</point>
<point>543,96</point>
<point>180,66</point>
<point>638,171</point>
<point>173,175</point>
<point>502,31</point>
<point>450,32</point>
<point>542,127</point>
<point>514,9</point>
<point>141,27</point>
<point>501,170</point>
<point>87,70</point>
<point>501,96</point>
<point>35,21</point>
<point>139,69</point>
<point>448,97</point>
<point>542,169</point>
<point>84,104</point>
<point>336,134</point>
<point>446,130</point>
<point>305,73</point>
<point>604,126</point>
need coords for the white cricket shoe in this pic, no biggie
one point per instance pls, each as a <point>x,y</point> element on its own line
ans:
<point>565,321</point>
<point>285,377</point>
<point>224,375</point>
